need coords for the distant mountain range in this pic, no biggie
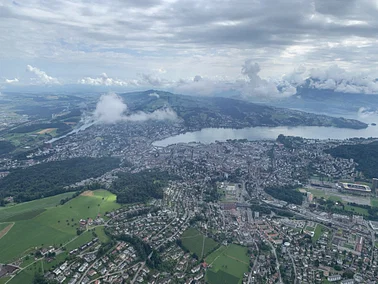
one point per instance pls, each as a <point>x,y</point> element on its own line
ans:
<point>328,101</point>
<point>203,112</point>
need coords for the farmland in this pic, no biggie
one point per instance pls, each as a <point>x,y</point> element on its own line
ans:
<point>227,265</point>
<point>54,226</point>
<point>23,210</point>
<point>192,240</point>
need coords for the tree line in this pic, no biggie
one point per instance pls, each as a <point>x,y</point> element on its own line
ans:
<point>49,179</point>
<point>285,193</point>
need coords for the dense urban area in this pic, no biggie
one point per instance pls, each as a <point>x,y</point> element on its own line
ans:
<point>107,204</point>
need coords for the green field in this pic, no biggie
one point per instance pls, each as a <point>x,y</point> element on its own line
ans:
<point>227,265</point>
<point>192,239</point>
<point>4,280</point>
<point>55,226</point>
<point>26,208</point>
<point>101,235</point>
<point>359,210</point>
<point>3,226</point>
<point>319,229</point>
<point>27,275</point>
<point>374,201</point>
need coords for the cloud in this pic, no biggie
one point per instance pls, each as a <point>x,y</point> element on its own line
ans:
<point>296,77</point>
<point>152,80</point>
<point>187,37</point>
<point>255,86</point>
<point>160,114</point>
<point>103,80</point>
<point>154,95</point>
<point>340,80</point>
<point>11,81</point>
<point>111,109</point>
<point>42,77</point>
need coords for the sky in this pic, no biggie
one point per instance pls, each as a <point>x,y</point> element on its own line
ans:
<point>259,48</point>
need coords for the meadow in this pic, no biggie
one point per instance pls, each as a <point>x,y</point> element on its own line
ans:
<point>23,210</point>
<point>227,265</point>
<point>54,226</point>
<point>192,239</point>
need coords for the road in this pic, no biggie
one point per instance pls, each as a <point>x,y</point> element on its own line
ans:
<point>277,263</point>
<point>294,267</point>
<point>12,276</point>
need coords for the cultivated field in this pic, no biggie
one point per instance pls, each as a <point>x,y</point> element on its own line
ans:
<point>227,265</point>
<point>47,130</point>
<point>6,229</point>
<point>28,209</point>
<point>52,226</point>
<point>193,240</point>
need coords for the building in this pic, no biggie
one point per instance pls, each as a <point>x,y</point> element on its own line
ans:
<point>375,184</point>
<point>310,197</point>
<point>334,278</point>
<point>347,281</point>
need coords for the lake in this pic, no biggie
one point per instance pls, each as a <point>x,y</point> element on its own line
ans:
<point>210,135</point>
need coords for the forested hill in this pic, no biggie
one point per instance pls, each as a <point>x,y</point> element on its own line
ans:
<point>366,155</point>
<point>48,179</point>
<point>202,112</point>
<point>140,187</point>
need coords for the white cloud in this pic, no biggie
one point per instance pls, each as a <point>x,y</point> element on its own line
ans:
<point>255,86</point>
<point>111,109</point>
<point>297,76</point>
<point>11,81</point>
<point>41,76</point>
<point>341,80</point>
<point>154,95</point>
<point>210,39</point>
<point>103,80</point>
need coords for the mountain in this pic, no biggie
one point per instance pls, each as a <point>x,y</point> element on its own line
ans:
<point>328,101</point>
<point>203,112</point>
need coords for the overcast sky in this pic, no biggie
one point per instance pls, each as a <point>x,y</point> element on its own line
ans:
<point>162,43</point>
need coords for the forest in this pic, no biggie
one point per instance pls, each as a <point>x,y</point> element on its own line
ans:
<point>366,155</point>
<point>285,193</point>
<point>48,179</point>
<point>140,187</point>
<point>6,147</point>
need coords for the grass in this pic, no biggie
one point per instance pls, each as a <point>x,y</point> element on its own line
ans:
<point>192,239</point>
<point>27,207</point>
<point>311,229</point>
<point>3,280</point>
<point>228,265</point>
<point>25,215</point>
<point>221,277</point>
<point>27,275</point>
<point>374,201</point>
<point>319,229</point>
<point>356,209</point>
<point>101,235</point>
<point>55,226</point>
<point>79,241</point>
<point>317,193</point>
<point>3,226</point>
<point>215,254</point>
<point>335,198</point>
